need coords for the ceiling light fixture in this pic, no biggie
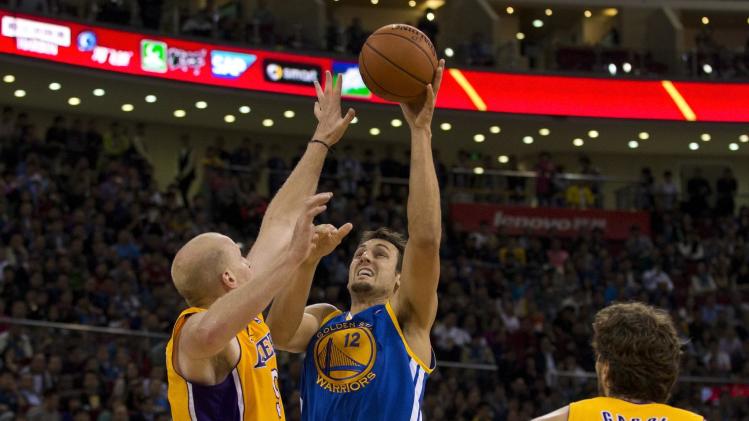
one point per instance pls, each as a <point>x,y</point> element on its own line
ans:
<point>495,129</point>
<point>127,107</point>
<point>19,93</point>
<point>74,100</point>
<point>244,109</point>
<point>478,138</point>
<point>267,122</point>
<point>374,131</point>
<point>99,92</point>
<point>151,99</point>
<point>578,142</point>
<point>201,105</point>
<point>503,159</point>
<point>528,140</point>
<point>396,122</point>
<point>633,144</point>
<point>593,134</point>
<point>289,113</point>
<point>544,131</point>
<point>446,126</point>
<point>54,86</point>
<point>9,78</point>
<point>706,137</point>
<point>180,113</point>
<point>229,118</point>
<point>644,135</point>
<point>694,146</point>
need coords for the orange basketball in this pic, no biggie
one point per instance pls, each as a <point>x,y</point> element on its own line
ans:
<point>397,62</point>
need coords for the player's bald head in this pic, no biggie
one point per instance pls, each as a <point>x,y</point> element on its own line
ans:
<point>199,264</point>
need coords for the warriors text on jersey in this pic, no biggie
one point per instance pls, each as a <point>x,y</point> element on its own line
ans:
<point>361,368</point>
<point>610,409</point>
<point>249,393</point>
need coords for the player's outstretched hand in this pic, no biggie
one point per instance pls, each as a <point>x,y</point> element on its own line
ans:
<point>327,238</point>
<point>330,125</point>
<point>419,113</point>
<point>304,238</point>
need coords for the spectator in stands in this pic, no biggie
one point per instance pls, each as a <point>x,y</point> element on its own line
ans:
<point>515,184</point>
<point>691,248</point>
<point>668,192</point>
<point>263,23</point>
<point>545,171</point>
<point>557,256</point>
<point>579,195</point>
<point>333,34</point>
<point>644,196</point>
<point>702,280</point>
<point>199,24</point>
<point>638,244</point>
<point>480,51</point>
<point>592,173</point>
<point>725,189</point>
<point>33,6</point>
<point>150,13</point>
<point>355,37</point>
<point>699,191</point>
<point>277,170</point>
<point>655,278</point>
<point>113,11</point>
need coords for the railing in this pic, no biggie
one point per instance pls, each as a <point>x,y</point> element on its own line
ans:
<point>485,185</point>
<point>162,337</point>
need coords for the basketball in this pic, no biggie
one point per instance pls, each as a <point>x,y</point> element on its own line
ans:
<point>397,61</point>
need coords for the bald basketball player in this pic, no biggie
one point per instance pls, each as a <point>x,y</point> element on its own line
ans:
<point>637,362</point>
<point>221,363</point>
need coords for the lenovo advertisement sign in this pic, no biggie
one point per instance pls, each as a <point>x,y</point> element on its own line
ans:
<point>545,221</point>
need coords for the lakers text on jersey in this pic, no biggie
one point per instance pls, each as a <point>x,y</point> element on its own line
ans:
<point>249,393</point>
<point>611,409</point>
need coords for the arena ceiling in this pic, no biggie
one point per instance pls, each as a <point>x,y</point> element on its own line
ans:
<point>562,134</point>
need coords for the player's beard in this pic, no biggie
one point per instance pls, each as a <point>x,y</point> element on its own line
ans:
<point>362,289</point>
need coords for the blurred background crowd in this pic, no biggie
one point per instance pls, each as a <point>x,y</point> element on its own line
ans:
<point>87,237</point>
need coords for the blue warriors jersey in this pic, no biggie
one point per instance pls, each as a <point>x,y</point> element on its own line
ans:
<point>361,368</point>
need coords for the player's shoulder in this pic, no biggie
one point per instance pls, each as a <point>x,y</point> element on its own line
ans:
<point>323,312</point>
<point>561,414</point>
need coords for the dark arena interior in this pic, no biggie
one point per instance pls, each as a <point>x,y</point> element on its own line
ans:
<point>582,154</point>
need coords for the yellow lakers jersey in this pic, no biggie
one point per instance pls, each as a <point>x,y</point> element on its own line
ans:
<point>249,393</point>
<point>611,409</point>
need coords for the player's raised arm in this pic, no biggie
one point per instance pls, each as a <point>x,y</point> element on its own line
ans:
<point>287,204</point>
<point>207,333</point>
<point>421,267</point>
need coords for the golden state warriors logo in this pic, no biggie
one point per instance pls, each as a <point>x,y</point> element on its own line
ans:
<point>345,354</point>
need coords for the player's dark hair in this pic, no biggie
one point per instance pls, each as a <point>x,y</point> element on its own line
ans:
<point>641,348</point>
<point>393,237</point>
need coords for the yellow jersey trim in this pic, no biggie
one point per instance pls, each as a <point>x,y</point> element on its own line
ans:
<point>330,316</point>
<point>413,355</point>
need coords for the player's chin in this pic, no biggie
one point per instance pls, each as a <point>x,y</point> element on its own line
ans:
<point>362,286</point>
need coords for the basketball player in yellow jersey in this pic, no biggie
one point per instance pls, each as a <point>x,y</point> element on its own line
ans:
<point>637,362</point>
<point>221,364</point>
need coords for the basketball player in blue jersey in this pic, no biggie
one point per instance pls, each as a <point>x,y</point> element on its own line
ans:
<point>221,364</point>
<point>372,361</point>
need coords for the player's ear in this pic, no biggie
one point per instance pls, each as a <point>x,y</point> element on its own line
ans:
<point>397,283</point>
<point>228,280</point>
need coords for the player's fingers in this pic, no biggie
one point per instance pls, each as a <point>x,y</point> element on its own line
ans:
<point>344,230</point>
<point>313,212</point>
<point>318,109</point>
<point>349,117</point>
<point>318,199</point>
<point>318,91</point>
<point>338,85</point>
<point>324,228</point>
<point>328,81</point>
<point>438,76</point>
<point>430,97</point>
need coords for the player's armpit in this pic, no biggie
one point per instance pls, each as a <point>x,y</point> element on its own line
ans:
<point>314,316</point>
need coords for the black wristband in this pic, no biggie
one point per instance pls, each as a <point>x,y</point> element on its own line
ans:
<point>320,142</point>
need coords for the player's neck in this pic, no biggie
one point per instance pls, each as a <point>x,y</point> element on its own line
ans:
<point>631,400</point>
<point>359,305</point>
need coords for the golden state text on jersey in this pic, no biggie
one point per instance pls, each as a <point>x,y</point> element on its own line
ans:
<point>359,367</point>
